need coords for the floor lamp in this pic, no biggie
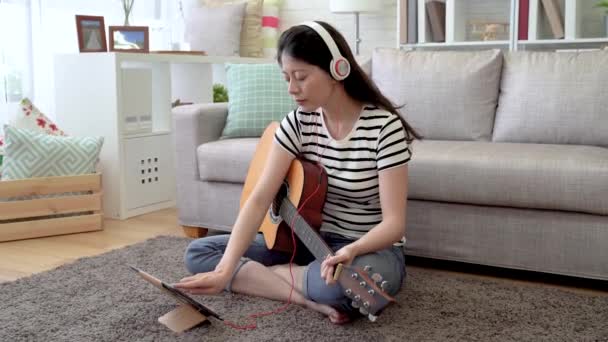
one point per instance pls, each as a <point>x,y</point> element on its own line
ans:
<point>356,7</point>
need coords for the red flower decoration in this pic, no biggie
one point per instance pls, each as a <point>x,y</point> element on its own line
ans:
<point>41,122</point>
<point>53,127</point>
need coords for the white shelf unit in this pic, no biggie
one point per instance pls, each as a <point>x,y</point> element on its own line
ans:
<point>96,93</point>
<point>583,25</point>
<point>459,17</point>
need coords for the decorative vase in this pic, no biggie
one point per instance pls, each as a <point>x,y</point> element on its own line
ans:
<point>127,6</point>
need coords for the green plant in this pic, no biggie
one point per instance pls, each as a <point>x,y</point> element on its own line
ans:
<point>220,93</point>
<point>603,4</point>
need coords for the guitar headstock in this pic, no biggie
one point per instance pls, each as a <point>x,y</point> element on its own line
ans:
<point>366,290</point>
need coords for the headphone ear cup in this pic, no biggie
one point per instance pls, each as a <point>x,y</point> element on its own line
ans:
<point>339,68</point>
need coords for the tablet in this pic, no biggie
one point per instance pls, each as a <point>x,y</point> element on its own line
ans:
<point>175,293</point>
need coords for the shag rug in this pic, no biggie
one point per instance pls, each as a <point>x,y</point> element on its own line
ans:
<point>100,299</point>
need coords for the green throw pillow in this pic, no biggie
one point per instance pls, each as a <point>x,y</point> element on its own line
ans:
<point>257,95</point>
<point>28,154</point>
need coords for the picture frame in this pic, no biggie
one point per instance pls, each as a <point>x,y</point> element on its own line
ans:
<point>129,39</point>
<point>91,32</point>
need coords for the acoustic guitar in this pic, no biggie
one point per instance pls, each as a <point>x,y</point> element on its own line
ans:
<point>303,178</point>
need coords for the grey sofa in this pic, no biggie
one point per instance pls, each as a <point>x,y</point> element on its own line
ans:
<point>513,170</point>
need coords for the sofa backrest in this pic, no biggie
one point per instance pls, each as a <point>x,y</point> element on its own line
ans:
<point>554,98</point>
<point>446,95</point>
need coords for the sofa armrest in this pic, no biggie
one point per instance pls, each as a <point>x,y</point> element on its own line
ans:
<point>193,125</point>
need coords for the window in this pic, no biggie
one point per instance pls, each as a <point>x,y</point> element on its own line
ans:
<point>15,55</point>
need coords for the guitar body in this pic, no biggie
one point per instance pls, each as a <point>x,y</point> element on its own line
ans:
<point>303,178</point>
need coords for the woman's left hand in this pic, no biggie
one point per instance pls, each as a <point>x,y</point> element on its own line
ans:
<point>344,255</point>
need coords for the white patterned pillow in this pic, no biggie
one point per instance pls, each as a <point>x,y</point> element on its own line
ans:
<point>251,32</point>
<point>216,30</point>
<point>30,154</point>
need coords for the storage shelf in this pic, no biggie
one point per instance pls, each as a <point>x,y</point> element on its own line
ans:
<point>146,134</point>
<point>457,44</point>
<point>169,58</point>
<point>563,41</point>
<point>578,22</point>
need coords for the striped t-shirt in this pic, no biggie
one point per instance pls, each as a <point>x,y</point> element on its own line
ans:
<point>376,142</point>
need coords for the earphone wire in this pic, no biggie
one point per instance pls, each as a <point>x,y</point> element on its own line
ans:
<point>280,309</point>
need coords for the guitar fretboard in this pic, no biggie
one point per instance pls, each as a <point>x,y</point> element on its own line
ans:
<point>311,239</point>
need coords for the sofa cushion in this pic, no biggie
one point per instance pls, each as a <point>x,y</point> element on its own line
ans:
<point>226,22</point>
<point>258,95</point>
<point>554,98</point>
<point>447,95</point>
<point>556,177</point>
<point>251,32</point>
<point>226,160</point>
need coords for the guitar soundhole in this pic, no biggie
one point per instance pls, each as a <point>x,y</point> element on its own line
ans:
<point>275,216</point>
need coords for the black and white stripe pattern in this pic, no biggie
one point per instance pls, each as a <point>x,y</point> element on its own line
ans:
<point>377,142</point>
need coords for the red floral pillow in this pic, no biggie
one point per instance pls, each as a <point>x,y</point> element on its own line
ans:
<point>30,117</point>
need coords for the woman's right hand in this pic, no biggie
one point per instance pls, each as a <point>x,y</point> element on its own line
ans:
<point>204,283</point>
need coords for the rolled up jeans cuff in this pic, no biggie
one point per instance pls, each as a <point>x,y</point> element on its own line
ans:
<point>242,262</point>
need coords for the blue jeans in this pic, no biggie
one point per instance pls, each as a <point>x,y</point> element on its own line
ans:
<point>203,255</point>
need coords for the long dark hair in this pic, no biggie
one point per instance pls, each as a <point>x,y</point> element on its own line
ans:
<point>303,43</point>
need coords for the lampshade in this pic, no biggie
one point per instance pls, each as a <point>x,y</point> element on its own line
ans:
<point>354,6</point>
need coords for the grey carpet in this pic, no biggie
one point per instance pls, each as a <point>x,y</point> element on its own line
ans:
<point>99,299</point>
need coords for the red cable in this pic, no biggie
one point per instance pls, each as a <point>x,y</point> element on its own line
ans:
<point>284,307</point>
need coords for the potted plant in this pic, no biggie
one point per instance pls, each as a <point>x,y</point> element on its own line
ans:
<point>220,93</point>
<point>604,4</point>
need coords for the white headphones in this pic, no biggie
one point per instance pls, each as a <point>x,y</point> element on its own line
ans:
<point>339,67</point>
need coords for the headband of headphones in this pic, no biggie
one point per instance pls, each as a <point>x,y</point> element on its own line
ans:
<point>339,66</point>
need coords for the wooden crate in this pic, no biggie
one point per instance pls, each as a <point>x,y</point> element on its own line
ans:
<point>31,218</point>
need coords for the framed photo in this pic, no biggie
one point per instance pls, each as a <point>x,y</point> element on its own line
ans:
<point>129,38</point>
<point>91,33</point>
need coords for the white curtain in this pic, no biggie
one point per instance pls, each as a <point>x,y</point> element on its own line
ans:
<point>15,56</point>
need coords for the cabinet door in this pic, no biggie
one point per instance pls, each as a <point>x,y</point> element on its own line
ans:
<point>149,174</point>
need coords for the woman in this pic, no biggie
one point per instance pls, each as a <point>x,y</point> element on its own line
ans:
<point>346,124</point>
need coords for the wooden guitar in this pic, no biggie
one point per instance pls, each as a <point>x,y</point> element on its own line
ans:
<point>303,178</point>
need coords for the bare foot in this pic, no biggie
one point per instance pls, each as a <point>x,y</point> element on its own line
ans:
<point>335,316</point>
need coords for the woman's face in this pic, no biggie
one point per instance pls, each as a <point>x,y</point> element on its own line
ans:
<point>309,85</point>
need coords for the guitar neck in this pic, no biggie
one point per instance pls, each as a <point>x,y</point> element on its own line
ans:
<point>311,239</point>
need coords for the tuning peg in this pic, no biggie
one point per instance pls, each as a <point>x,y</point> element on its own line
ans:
<point>377,277</point>
<point>354,275</point>
<point>371,292</point>
<point>362,284</point>
<point>367,268</point>
<point>384,285</point>
<point>372,318</point>
<point>355,304</point>
<point>363,311</point>
<point>348,292</point>
<point>366,304</point>
<point>357,298</point>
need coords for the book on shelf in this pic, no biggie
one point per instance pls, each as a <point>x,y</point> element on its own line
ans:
<point>412,21</point>
<point>555,18</point>
<point>522,28</point>
<point>436,14</point>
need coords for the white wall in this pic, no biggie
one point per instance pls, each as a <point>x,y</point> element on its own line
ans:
<point>375,30</point>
